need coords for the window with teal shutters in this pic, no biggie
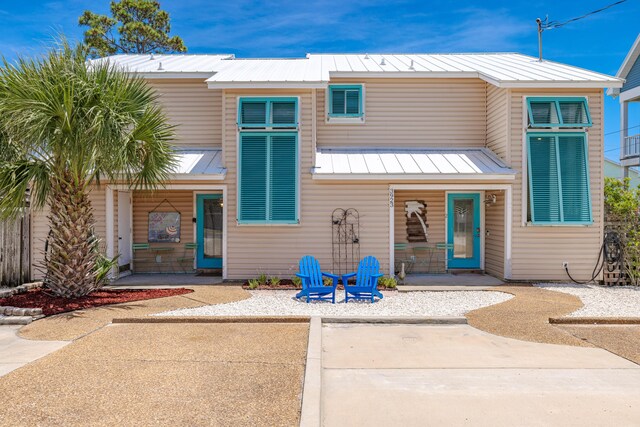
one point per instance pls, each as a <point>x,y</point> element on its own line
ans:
<point>345,101</point>
<point>558,179</point>
<point>268,113</point>
<point>268,178</point>
<point>558,112</point>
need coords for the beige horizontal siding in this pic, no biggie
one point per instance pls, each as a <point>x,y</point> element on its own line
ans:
<point>145,202</point>
<point>497,122</point>
<point>494,236</point>
<point>538,251</point>
<point>412,112</point>
<point>277,249</point>
<point>195,109</point>
<point>40,229</point>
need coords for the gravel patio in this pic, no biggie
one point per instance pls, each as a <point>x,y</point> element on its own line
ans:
<point>396,304</point>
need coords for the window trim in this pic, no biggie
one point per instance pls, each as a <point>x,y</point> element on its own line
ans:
<point>268,222</point>
<point>345,118</point>
<point>556,100</point>
<point>269,113</point>
<point>531,221</point>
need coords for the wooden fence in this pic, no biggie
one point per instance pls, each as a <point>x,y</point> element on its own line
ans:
<point>15,252</point>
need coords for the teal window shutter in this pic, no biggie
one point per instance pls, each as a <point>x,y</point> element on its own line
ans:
<point>543,180</point>
<point>345,101</point>
<point>252,203</point>
<point>268,178</point>
<point>253,112</point>
<point>558,179</point>
<point>558,112</point>
<point>574,175</point>
<point>283,176</point>
<point>283,112</point>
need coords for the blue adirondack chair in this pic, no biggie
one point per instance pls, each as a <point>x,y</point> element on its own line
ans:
<point>312,285</point>
<point>366,286</point>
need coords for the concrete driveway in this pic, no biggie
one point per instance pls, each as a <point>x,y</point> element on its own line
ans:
<point>416,375</point>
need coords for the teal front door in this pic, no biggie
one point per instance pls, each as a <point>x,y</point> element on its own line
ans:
<point>463,230</point>
<point>209,222</point>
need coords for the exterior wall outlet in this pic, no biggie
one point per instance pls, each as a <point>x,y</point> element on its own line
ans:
<point>565,264</point>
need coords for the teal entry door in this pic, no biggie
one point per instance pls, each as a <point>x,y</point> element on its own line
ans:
<point>463,230</point>
<point>209,230</point>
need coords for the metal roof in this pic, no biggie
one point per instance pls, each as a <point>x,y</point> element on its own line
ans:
<point>163,65</point>
<point>197,163</point>
<point>500,69</point>
<point>248,73</point>
<point>628,62</point>
<point>409,163</point>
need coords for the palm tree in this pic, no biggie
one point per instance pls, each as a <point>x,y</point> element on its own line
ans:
<point>69,125</point>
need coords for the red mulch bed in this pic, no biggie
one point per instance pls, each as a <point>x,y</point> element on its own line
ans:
<point>51,304</point>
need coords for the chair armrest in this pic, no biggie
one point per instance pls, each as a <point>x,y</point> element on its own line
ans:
<point>348,275</point>
<point>302,276</point>
<point>376,276</point>
<point>333,276</point>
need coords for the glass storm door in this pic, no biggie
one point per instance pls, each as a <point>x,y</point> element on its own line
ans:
<point>209,230</point>
<point>463,230</point>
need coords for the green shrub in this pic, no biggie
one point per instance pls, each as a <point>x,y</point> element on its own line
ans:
<point>274,280</point>
<point>388,282</point>
<point>297,281</point>
<point>253,283</point>
<point>327,281</point>
<point>262,279</point>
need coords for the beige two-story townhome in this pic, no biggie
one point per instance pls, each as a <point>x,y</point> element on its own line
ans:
<point>440,162</point>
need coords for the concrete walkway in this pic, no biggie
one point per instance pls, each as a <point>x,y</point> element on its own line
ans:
<point>379,375</point>
<point>165,280</point>
<point>16,352</point>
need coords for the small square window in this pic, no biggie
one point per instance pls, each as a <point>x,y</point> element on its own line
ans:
<point>345,101</point>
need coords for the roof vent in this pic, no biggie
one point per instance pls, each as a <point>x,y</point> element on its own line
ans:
<point>382,62</point>
<point>160,66</point>
<point>411,66</point>
<point>366,56</point>
<point>151,58</point>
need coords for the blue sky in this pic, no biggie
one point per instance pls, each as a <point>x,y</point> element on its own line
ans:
<point>250,28</point>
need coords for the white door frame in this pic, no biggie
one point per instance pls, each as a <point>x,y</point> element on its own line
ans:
<point>508,214</point>
<point>130,232</point>
<point>192,187</point>
<point>446,222</point>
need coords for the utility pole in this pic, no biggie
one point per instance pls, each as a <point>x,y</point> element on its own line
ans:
<point>539,22</point>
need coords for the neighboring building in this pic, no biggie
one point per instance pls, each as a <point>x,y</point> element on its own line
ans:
<point>616,170</point>
<point>628,93</point>
<point>491,149</point>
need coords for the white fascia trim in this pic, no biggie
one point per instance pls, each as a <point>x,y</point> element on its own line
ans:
<point>412,177</point>
<point>267,85</point>
<point>125,187</point>
<point>198,177</point>
<point>175,75</point>
<point>592,84</point>
<point>404,74</point>
<point>449,186</point>
<point>630,94</point>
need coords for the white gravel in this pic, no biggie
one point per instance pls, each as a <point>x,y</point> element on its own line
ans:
<point>600,301</point>
<point>395,304</point>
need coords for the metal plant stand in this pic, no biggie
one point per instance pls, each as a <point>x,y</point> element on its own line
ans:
<point>345,245</point>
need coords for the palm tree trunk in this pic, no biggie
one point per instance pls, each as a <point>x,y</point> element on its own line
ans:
<point>73,248</point>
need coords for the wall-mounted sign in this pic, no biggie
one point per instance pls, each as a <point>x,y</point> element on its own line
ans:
<point>417,226</point>
<point>164,227</point>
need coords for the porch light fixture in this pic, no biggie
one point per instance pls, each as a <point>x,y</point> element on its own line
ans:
<point>490,199</point>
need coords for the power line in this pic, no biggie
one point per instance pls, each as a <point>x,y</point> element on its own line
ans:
<point>618,131</point>
<point>550,25</point>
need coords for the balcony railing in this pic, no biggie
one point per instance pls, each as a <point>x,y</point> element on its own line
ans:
<point>631,147</point>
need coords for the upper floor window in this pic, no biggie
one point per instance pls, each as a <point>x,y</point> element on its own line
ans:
<point>345,102</point>
<point>558,171</point>
<point>268,113</point>
<point>558,112</point>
